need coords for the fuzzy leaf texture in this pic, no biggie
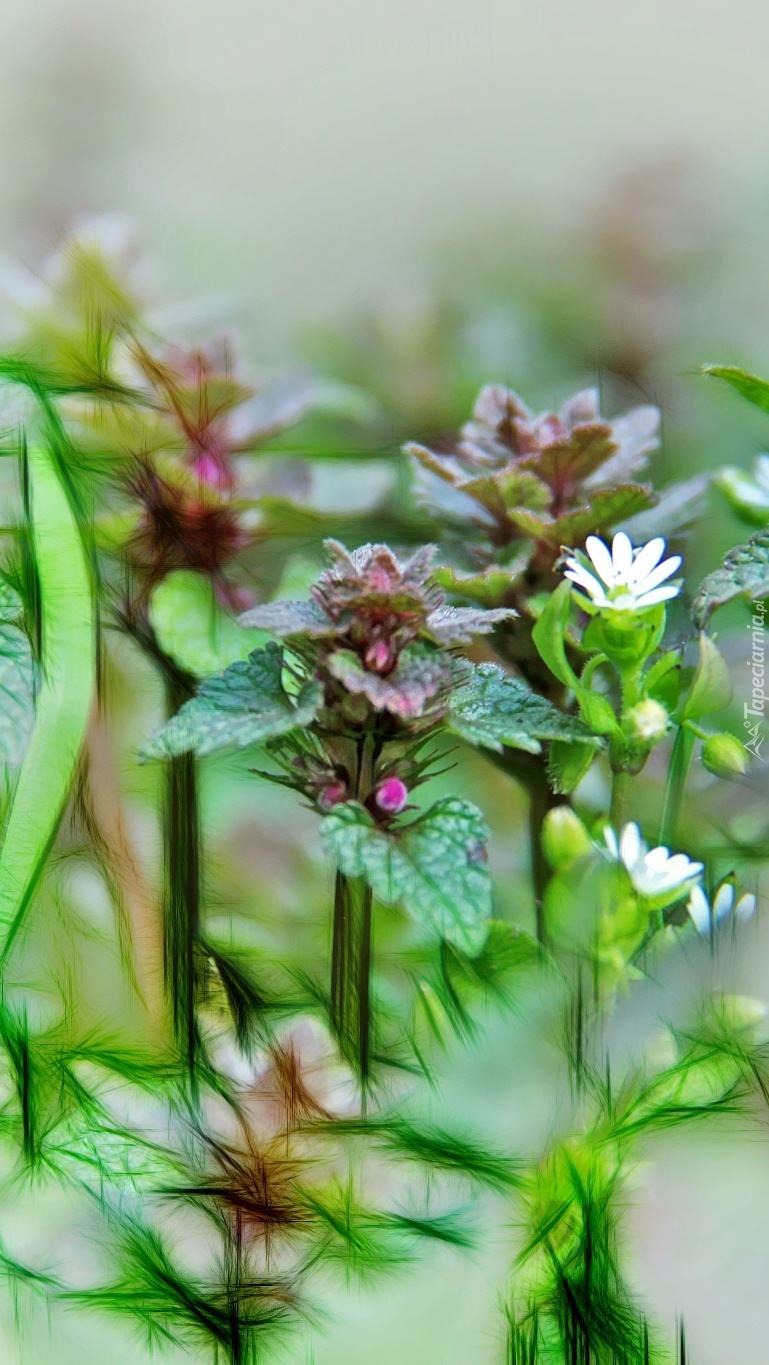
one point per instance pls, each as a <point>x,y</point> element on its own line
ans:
<point>568,762</point>
<point>244,705</point>
<point>493,709</point>
<point>744,573</point>
<point>17,681</point>
<point>434,867</point>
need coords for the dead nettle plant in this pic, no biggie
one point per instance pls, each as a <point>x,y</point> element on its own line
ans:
<point>136,518</point>
<point>353,704</point>
<point>154,434</point>
<point>129,521</point>
<point>513,491</point>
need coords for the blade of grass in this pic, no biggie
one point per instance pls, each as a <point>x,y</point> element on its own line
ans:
<point>68,669</point>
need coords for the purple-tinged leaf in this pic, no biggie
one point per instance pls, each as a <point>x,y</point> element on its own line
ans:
<point>287,619</point>
<point>406,692</point>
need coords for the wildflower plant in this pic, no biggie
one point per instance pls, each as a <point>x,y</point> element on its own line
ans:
<point>262,1130</point>
<point>524,486</point>
<point>353,702</point>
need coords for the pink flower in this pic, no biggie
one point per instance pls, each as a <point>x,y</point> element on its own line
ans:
<point>392,796</point>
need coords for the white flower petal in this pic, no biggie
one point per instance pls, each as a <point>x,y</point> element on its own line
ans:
<point>647,558</point>
<point>745,907</point>
<point>611,841</point>
<point>651,599</point>
<point>585,580</point>
<point>658,575</point>
<point>722,901</point>
<point>602,560</point>
<point>622,557</point>
<point>699,909</point>
<point>681,868</point>
<point>630,845</point>
<point>659,857</point>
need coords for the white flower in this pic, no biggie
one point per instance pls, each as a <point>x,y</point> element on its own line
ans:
<point>624,579</point>
<point>654,872</point>
<point>708,914</point>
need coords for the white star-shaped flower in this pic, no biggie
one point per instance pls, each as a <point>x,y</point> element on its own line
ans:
<point>624,578</point>
<point>706,914</point>
<point>655,873</point>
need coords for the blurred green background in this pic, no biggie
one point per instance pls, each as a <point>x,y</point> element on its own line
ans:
<point>416,197</point>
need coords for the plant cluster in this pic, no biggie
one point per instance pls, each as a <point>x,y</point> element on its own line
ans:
<point>261,1131</point>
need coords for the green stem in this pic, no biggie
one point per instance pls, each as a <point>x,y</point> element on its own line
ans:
<point>678,771</point>
<point>541,800</point>
<point>183,884</point>
<point>351,971</point>
<point>530,772</point>
<point>618,799</point>
<point>351,947</point>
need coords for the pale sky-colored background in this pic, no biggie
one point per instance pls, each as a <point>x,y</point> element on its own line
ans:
<point>302,154</point>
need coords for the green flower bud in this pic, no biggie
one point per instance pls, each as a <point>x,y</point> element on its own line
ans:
<point>628,638</point>
<point>564,837</point>
<point>724,755</point>
<point>648,721</point>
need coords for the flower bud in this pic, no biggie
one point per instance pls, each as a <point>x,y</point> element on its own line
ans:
<point>724,755</point>
<point>564,837</point>
<point>647,721</point>
<point>379,656</point>
<point>331,795</point>
<point>391,796</point>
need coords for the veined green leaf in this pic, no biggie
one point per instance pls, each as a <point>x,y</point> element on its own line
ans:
<point>434,867</point>
<point>63,705</point>
<point>244,705</point>
<point>744,573</point>
<point>494,709</point>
